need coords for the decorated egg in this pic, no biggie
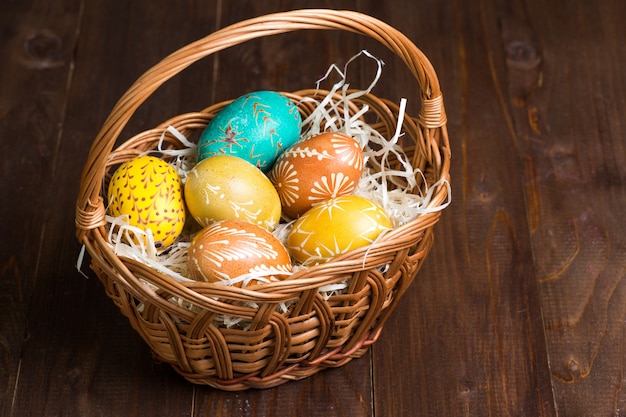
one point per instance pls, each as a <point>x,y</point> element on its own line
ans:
<point>148,192</point>
<point>335,227</point>
<point>257,127</point>
<point>231,249</point>
<point>316,169</point>
<point>227,187</point>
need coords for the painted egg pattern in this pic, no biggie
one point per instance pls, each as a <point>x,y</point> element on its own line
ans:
<point>227,187</point>
<point>148,191</point>
<point>230,249</point>
<point>319,168</point>
<point>335,227</point>
<point>257,127</point>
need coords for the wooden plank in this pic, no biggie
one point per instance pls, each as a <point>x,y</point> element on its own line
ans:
<point>82,357</point>
<point>36,51</point>
<point>332,392</point>
<point>567,109</point>
<point>473,317</point>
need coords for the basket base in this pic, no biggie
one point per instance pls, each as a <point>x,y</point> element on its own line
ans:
<point>295,372</point>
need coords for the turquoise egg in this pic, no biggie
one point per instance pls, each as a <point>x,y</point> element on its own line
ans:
<point>257,127</point>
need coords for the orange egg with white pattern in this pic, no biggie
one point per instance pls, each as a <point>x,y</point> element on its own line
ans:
<point>237,252</point>
<point>319,168</point>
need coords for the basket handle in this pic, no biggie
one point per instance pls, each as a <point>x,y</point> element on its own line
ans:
<point>90,211</point>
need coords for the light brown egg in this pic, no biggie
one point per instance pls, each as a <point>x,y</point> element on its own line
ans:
<point>237,251</point>
<point>319,168</point>
<point>226,187</point>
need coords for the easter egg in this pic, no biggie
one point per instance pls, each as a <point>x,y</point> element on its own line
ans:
<point>316,169</point>
<point>256,127</point>
<point>148,192</point>
<point>226,187</point>
<point>335,227</point>
<point>231,249</point>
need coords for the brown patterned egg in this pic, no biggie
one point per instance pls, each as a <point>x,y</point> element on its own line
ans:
<point>236,251</point>
<point>319,168</point>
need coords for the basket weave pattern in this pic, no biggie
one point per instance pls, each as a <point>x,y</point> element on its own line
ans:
<point>181,322</point>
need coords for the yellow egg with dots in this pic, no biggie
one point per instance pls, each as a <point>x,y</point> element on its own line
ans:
<point>147,192</point>
<point>335,227</point>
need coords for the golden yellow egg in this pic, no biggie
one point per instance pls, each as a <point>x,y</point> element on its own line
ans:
<point>335,227</point>
<point>226,187</point>
<point>148,192</point>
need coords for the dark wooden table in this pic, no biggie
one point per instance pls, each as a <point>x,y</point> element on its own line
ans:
<point>520,308</point>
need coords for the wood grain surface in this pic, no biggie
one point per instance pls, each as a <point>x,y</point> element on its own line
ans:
<point>520,307</point>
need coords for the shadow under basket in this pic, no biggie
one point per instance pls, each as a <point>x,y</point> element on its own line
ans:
<point>291,329</point>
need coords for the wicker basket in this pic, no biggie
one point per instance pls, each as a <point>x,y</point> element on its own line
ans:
<point>316,332</point>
